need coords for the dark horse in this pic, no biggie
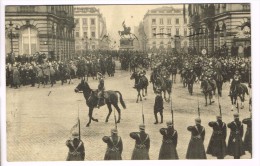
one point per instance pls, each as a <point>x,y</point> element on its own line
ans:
<point>190,78</point>
<point>238,91</point>
<point>164,85</point>
<point>141,83</point>
<point>207,90</point>
<point>91,97</point>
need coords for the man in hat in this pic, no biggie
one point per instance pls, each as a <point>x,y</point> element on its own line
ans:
<point>158,106</point>
<point>101,88</point>
<point>248,135</point>
<point>169,143</point>
<point>217,144</point>
<point>142,144</point>
<point>114,146</point>
<point>235,144</point>
<point>196,148</point>
<point>76,148</point>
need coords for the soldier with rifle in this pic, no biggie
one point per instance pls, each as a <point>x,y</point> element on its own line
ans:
<point>76,148</point>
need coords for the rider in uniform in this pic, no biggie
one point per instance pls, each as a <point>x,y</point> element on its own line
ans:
<point>235,81</point>
<point>101,88</point>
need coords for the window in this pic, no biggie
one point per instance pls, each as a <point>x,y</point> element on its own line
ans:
<point>85,34</point>
<point>161,21</point>
<point>169,31</point>
<point>177,21</point>
<point>28,41</point>
<point>224,7</point>
<point>161,32</point>
<point>154,32</point>
<point>177,31</point>
<point>185,32</point>
<point>92,21</point>
<point>77,34</point>
<point>27,9</point>
<point>93,34</point>
<point>76,20</point>
<point>153,21</point>
<point>169,21</point>
<point>84,21</point>
<point>185,20</point>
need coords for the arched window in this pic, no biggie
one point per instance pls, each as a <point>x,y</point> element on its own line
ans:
<point>29,41</point>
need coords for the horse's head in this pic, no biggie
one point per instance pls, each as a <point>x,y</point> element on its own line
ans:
<point>82,86</point>
<point>133,76</point>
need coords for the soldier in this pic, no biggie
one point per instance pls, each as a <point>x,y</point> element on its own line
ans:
<point>101,88</point>
<point>196,148</point>
<point>169,142</point>
<point>76,148</point>
<point>158,107</point>
<point>235,81</point>
<point>16,77</point>
<point>235,144</point>
<point>142,144</point>
<point>114,146</point>
<point>217,144</point>
<point>248,135</point>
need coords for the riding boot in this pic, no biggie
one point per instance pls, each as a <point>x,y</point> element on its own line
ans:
<point>98,104</point>
<point>156,119</point>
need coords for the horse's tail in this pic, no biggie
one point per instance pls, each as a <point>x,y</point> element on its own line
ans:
<point>121,100</point>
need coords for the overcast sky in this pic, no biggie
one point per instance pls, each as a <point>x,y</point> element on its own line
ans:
<point>132,14</point>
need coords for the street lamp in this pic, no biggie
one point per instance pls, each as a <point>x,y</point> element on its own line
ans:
<point>10,28</point>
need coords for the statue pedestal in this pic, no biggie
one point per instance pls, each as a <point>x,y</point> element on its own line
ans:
<point>126,44</point>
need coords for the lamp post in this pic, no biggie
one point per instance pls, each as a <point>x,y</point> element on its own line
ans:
<point>11,35</point>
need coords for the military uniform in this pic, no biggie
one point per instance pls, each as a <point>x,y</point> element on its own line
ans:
<point>142,144</point>
<point>217,144</point>
<point>235,144</point>
<point>158,107</point>
<point>169,143</point>
<point>114,146</point>
<point>248,135</point>
<point>196,148</point>
<point>76,148</point>
<point>101,88</point>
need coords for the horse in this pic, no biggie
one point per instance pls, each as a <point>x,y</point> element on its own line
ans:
<point>207,90</point>
<point>164,85</point>
<point>238,91</point>
<point>91,97</point>
<point>173,70</point>
<point>141,83</point>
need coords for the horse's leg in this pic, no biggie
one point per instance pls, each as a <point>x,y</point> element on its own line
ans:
<point>210,97</point>
<point>164,95</point>
<point>143,91</point>
<point>242,98</point>
<point>109,111</point>
<point>90,111</point>
<point>119,112</point>
<point>191,89</point>
<point>138,94</point>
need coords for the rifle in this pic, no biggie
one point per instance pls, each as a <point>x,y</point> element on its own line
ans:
<point>115,119</point>
<point>199,109</point>
<point>142,113</point>
<point>219,106</point>
<point>171,110</point>
<point>237,107</point>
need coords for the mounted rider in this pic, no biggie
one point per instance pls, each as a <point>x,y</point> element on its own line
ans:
<point>101,88</point>
<point>235,81</point>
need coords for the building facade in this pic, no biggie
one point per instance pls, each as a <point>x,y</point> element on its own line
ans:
<point>221,29</point>
<point>165,28</point>
<point>45,29</point>
<point>90,30</point>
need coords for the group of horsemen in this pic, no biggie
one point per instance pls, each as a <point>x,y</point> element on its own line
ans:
<point>197,69</point>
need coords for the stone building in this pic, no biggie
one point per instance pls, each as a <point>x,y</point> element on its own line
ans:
<point>45,29</point>
<point>221,29</point>
<point>90,30</point>
<point>165,28</point>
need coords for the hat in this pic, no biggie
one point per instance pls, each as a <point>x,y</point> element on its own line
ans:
<point>75,134</point>
<point>141,126</point>
<point>114,130</point>
<point>198,120</point>
<point>169,123</point>
<point>219,117</point>
<point>236,115</point>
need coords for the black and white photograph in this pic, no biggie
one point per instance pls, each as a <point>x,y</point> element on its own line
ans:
<point>154,81</point>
